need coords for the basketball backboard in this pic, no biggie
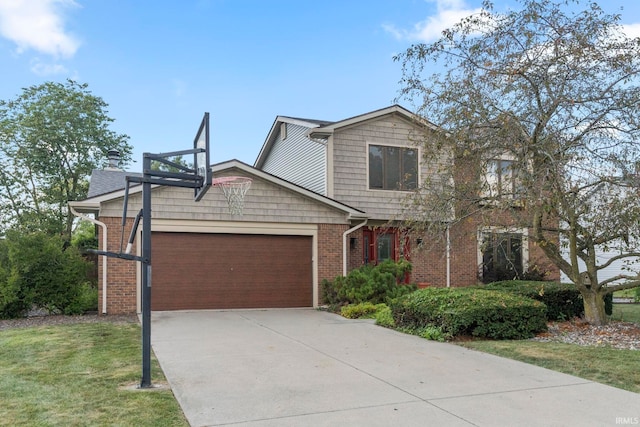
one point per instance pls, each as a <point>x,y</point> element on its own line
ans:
<point>202,160</point>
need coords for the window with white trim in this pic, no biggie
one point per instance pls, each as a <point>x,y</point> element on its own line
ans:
<point>503,254</point>
<point>393,168</point>
<point>502,179</point>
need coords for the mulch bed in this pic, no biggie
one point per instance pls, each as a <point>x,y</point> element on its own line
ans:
<point>32,321</point>
<point>622,335</point>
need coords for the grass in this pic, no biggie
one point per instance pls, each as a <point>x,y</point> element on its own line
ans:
<point>628,293</point>
<point>614,367</point>
<point>76,375</point>
<point>626,313</point>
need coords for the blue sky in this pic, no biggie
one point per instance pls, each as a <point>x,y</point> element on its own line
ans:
<point>161,64</point>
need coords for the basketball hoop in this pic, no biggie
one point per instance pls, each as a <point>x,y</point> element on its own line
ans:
<point>234,189</point>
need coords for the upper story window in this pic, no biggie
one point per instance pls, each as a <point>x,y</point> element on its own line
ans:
<point>393,168</point>
<point>502,178</point>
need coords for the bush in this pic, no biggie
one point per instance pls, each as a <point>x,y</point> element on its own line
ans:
<point>384,317</point>
<point>470,311</point>
<point>563,300</point>
<point>37,270</point>
<point>608,304</point>
<point>379,284</point>
<point>357,311</point>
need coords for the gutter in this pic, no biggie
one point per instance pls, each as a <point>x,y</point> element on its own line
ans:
<point>344,244</point>
<point>104,246</point>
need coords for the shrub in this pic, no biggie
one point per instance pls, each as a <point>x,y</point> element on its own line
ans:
<point>37,270</point>
<point>384,317</point>
<point>563,300</point>
<point>376,285</point>
<point>608,304</point>
<point>470,311</point>
<point>84,300</point>
<point>356,311</point>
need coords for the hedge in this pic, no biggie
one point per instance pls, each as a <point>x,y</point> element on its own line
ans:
<point>470,311</point>
<point>563,300</point>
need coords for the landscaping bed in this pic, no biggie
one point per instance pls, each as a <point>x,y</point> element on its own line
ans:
<point>622,335</point>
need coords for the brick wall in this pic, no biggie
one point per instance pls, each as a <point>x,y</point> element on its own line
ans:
<point>330,250</point>
<point>121,274</point>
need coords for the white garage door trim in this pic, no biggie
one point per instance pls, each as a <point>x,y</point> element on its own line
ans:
<point>227,227</point>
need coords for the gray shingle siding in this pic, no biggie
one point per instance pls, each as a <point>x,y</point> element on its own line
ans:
<point>299,160</point>
<point>265,202</point>
<point>350,157</point>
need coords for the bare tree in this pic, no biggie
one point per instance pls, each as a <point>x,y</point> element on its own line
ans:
<point>539,108</point>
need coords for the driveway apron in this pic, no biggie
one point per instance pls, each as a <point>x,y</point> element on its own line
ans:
<point>311,368</point>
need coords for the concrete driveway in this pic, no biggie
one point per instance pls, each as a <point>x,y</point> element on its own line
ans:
<point>312,368</point>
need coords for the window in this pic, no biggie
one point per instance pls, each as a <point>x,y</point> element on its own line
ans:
<point>503,256</point>
<point>501,179</point>
<point>386,247</point>
<point>393,168</point>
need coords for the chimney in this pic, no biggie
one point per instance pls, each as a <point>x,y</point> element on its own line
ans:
<point>114,159</point>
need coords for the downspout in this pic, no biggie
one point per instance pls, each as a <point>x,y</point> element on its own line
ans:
<point>448,258</point>
<point>104,247</point>
<point>344,244</point>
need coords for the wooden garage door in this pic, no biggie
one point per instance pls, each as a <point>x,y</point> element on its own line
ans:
<point>214,271</point>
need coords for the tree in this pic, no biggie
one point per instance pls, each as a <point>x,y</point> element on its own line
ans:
<point>51,138</point>
<point>552,90</point>
<point>165,167</point>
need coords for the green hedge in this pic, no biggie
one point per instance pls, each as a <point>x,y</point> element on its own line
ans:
<point>563,300</point>
<point>470,311</point>
<point>376,285</point>
<point>36,270</point>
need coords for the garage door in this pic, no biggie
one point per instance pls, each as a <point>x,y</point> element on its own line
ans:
<point>215,271</point>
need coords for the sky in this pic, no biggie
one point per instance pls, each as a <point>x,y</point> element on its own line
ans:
<point>160,65</point>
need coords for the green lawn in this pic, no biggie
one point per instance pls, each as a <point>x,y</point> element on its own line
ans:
<point>615,367</point>
<point>81,374</point>
<point>626,313</point>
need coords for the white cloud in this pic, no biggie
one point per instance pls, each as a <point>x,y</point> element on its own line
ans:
<point>43,69</point>
<point>448,13</point>
<point>38,25</point>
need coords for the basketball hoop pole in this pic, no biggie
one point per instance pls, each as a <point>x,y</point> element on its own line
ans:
<point>145,382</point>
<point>186,178</point>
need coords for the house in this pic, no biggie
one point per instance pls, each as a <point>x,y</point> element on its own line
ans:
<point>325,199</point>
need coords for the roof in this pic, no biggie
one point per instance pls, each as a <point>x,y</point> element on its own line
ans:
<point>105,181</point>
<point>325,130</point>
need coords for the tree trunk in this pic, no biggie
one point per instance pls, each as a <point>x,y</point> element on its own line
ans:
<point>593,307</point>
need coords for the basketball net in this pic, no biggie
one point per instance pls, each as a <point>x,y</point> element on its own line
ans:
<point>234,189</point>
